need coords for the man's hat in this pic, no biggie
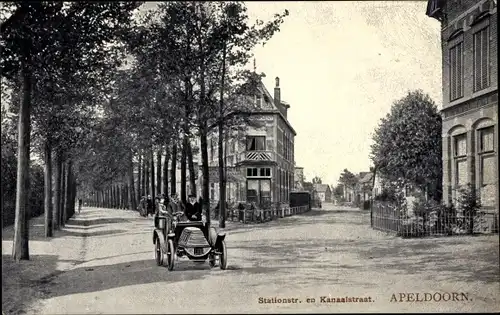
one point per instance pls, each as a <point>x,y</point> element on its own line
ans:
<point>192,196</point>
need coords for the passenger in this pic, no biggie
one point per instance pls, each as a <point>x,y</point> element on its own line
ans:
<point>149,205</point>
<point>174,205</point>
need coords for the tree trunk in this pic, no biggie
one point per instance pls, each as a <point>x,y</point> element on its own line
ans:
<point>48,190</point>
<point>205,171</point>
<point>20,248</point>
<point>73,194</point>
<point>192,171</point>
<point>62,214</point>
<point>165,170</point>
<point>146,176</point>
<point>222,178</point>
<point>69,190</point>
<point>183,170</point>
<point>173,170</point>
<point>158,172</point>
<point>139,178</point>
<point>152,163</point>
<point>57,190</point>
<point>132,201</point>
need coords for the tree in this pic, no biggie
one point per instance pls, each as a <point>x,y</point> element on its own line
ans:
<point>202,39</point>
<point>37,37</point>
<point>348,179</point>
<point>338,191</point>
<point>407,143</point>
<point>316,180</point>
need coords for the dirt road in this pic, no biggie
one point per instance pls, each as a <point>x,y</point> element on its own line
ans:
<point>103,263</point>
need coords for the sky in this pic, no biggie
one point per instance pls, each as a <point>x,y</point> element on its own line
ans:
<point>341,66</point>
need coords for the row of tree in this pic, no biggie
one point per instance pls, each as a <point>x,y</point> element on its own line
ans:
<point>93,118</point>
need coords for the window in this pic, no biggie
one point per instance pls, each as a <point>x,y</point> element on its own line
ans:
<point>256,143</point>
<point>456,72</point>
<point>265,172</point>
<point>252,172</point>
<point>486,140</point>
<point>481,59</point>
<point>252,190</point>
<point>258,100</point>
<point>460,145</point>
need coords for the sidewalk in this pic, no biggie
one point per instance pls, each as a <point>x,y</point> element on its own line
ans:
<point>48,258</point>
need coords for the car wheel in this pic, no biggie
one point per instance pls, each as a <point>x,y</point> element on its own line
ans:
<point>170,255</point>
<point>223,256</point>
<point>158,253</point>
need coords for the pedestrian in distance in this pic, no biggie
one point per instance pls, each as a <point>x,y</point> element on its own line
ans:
<point>80,203</point>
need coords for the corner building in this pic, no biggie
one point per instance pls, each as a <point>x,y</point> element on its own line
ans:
<point>470,97</point>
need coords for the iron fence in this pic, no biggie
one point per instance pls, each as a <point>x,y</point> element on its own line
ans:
<point>388,218</point>
<point>263,215</point>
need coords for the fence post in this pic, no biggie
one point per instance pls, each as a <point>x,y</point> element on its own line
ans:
<point>371,215</point>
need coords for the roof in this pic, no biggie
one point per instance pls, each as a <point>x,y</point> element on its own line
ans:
<point>321,187</point>
<point>276,110</point>
<point>365,177</point>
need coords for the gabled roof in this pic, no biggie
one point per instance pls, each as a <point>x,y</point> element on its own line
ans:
<point>274,109</point>
<point>321,187</point>
<point>365,177</point>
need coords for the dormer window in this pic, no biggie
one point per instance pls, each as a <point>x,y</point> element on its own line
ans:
<point>258,100</point>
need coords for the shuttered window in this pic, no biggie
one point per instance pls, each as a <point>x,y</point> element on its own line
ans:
<point>456,72</point>
<point>481,59</point>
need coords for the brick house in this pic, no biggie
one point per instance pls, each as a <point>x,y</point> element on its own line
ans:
<point>470,96</point>
<point>260,160</point>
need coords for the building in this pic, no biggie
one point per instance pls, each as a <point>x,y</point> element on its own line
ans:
<point>470,96</point>
<point>324,192</point>
<point>299,179</point>
<point>365,186</point>
<point>260,158</point>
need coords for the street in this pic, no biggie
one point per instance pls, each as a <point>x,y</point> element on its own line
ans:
<point>102,262</point>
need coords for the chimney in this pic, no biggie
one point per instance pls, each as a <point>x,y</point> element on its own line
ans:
<point>277,93</point>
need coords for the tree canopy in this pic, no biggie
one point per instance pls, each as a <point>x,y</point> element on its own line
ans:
<point>407,143</point>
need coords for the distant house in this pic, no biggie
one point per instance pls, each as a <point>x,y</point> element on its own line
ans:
<point>365,185</point>
<point>324,192</point>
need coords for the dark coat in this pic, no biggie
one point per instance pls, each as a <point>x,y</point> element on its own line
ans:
<point>193,209</point>
<point>174,207</point>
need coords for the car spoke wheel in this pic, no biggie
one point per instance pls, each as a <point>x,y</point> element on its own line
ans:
<point>170,255</point>
<point>158,253</point>
<point>223,256</point>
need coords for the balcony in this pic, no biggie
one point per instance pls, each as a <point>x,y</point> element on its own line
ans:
<point>257,156</point>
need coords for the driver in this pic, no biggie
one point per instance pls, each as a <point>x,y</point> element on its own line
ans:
<point>193,209</point>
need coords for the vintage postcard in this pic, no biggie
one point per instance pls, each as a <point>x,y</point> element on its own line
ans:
<point>216,157</point>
